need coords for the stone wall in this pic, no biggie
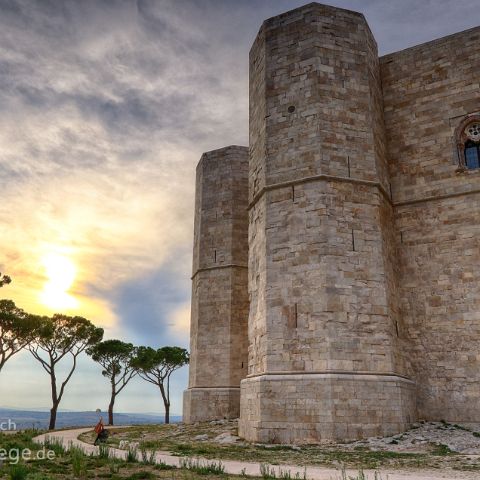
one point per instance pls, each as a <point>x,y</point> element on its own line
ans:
<point>218,337</point>
<point>428,90</point>
<point>321,407</point>
<point>324,303</point>
<point>363,239</point>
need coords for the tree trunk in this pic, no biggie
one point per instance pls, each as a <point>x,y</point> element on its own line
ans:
<point>110,410</point>
<point>55,401</point>
<point>166,402</point>
<point>53,416</point>
<point>167,413</point>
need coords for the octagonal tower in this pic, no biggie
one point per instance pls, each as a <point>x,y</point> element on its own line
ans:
<point>218,336</point>
<point>324,359</point>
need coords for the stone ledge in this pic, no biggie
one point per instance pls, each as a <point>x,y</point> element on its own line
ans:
<point>367,376</point>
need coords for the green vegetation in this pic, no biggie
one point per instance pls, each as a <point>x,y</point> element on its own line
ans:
<point>115,357</point>
<point>4,280</point>
<point>202,467</point>
<point>18,471</point>
<point>79,462</point>
<point>148,456</point>
<point>361,476</point>
<point>55,444</point>
<point>56,343</point>
<point>61,337</point>
<point>157,366</point>
<point>441,450</point>
<point>132,456</point>
<point>17,330</point>
<point>104,451</point>
<point>179,440</point>
<point>139,464</point>
<point>269,473</point>
<point>75,464</point>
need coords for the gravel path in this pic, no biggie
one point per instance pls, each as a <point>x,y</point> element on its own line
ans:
<point>70,437</point>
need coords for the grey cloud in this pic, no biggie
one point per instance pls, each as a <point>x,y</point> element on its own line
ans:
<point>106,106</point>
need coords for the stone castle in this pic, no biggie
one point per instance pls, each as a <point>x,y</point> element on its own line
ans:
<point>336,270</point>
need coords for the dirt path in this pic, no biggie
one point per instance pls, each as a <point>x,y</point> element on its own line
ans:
<point>70,437</point>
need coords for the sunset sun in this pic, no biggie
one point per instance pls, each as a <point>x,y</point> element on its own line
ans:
<point>60,272</point>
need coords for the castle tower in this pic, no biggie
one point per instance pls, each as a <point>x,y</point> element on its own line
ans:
<point>218,337</point>
<point>324,357</point>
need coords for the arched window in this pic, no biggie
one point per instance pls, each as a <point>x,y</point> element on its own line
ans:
<point>472,154</point>
<point>467,136</point>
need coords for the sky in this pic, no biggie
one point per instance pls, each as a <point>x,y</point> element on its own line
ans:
<point>105,108</point>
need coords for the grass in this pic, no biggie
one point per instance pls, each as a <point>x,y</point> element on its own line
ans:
<point>103,451</point>
<point>132,456</point>
<point>18,471</point>
<point>141,475</point>
<point>73,464</point>
<point>202,467</point>
<point>361,476</point>
<point>55,444</point>
<point>268,472</point>
<point>177,439</point>
<point>79,463</point>
<point>148,456</point>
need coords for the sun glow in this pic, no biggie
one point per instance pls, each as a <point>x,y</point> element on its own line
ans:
<point>61,273</point>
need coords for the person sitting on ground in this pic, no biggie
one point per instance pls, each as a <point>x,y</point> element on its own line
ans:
<point>101,432</point>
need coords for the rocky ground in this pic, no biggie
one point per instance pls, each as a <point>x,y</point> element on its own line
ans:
<point>459,438</point>
<point>432,445</point>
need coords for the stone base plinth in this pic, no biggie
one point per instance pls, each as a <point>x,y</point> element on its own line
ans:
<point>312,408</point>
<point>216,403</point>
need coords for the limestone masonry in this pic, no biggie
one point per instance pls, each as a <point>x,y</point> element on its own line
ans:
<point>336,262</point>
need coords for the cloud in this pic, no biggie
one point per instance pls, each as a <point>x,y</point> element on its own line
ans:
<point>180,321</point>
<point>148,308</point>
<point>105,108</point>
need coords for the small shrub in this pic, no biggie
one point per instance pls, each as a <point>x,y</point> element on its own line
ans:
<point>304,477</point>
<point>361,476</point>
<point>55,444</point>
<point>103,451</point>
<point>164,466</point>
<point>79,464</point>
<point>132,455</point>
<point>18,471</point>
<point>114,464</point>
<point>202,468</point>
<point>441,450</point>
<point>476,434</point>
<point>39,476</point>
<point>148,456</point>
<point>267,472</point>
<point>141,475</point>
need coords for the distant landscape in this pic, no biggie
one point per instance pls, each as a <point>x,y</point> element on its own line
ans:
<point>39,418</point>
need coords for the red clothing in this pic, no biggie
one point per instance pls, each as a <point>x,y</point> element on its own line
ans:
<point>99,428</point>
